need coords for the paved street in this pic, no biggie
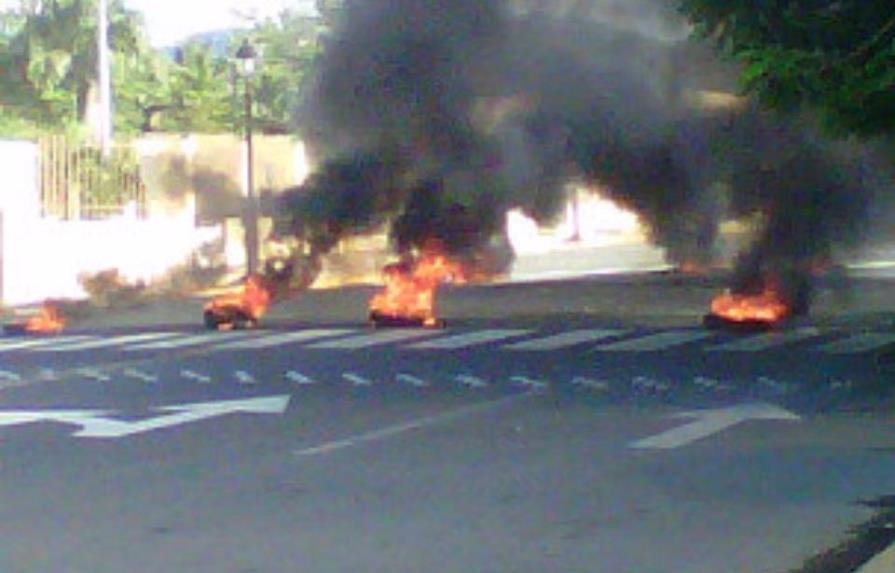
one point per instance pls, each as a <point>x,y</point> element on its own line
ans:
<point>506,445</point>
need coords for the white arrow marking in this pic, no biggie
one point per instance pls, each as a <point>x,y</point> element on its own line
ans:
<point>709,422</point>
<point>94,374</point>
<point>200,378</point>
<point>100,427</point>
<point>299,378</point>
<point>139,375</point>
<point>471,381</point>
<point>412,380</point>
<point>244,377</point>
<point>529,383</point>
<point>356,379</point>
<point>591,384</point>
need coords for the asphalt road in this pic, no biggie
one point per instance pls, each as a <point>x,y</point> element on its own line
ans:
<point>528,444</point>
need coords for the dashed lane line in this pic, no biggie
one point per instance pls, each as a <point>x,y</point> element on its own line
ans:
<point>563,340</point>
<point>31,343</point>
<point>281,339</point>
<point>104,342</point>
<point>655,342</point>
<point>469,339</point>
<point>766,341</point>
<point>375,339</point>
<point>858,343</point>
<point>194,340</point>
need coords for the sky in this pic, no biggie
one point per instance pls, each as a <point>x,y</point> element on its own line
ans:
<point>169,21</point>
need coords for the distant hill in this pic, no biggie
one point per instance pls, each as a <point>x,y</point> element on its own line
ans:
<point>217,40</point>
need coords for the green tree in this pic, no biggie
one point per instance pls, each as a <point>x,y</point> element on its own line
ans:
<point>836,56</point>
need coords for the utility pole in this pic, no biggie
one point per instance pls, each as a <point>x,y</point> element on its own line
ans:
<point>105,80</point>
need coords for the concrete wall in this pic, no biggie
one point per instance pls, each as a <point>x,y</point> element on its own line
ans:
<point>195,184</point>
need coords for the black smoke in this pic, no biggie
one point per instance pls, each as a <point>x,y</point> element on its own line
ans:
<point>438,116</point>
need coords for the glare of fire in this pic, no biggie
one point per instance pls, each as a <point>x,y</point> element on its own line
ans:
<point>251,300</point>
<point>767,306</point>
<point>48,321</point>
<point>409,291</point>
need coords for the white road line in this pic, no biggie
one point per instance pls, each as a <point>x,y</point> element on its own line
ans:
<point>35,342</point>
<point>195,376</point>
<point>468,339</point>
<point>105,342</point>
<point>244,377</point>
<point>299,378</point>
<point>563,340</point>
<point>412,380</point>
<point>530,383</point>
<point>654,342</point>
<point>286,338</point>
<point>376,339</point>
<point>858,343</point>
<point>356,379</point>
<point>591,384</point>
<point>760,342</point>
<point>403,428</point>
<point>194,340</point>
<point>471,381</point>
<point>883,563</point>
<point>140,375</point>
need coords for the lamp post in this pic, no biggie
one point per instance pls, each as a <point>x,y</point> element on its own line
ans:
<point>246,56</point>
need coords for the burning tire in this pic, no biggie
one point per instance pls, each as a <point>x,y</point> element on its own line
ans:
<point>232,320</point>
<point>380,320</point>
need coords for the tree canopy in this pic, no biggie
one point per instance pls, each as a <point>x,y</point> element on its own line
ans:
<point>836,56</point>
<point>48,55</point>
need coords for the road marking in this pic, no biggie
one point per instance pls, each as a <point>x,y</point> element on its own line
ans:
<point>94,374</point>
<point>195,376</point>
<point>412,380</point>
<point>376,339</point>
<point>47,375</point>
<point>243,377</point>
<point>471,381</point>
<point>299,378</point>
<point>104,342</point>
<point>185,341</point>
<point>563,340</point>
<point>418,424</point>
<point>591,384</point>
<point>469,339</point>
<point>356,379</point>
<point>760,342</point>
<point>140,375</point>
<point>10,376</point>
<point>533,385</point>
<point>281,339</point>
<point>858,343</point>
<point>882,563</point>
<point>23,343</point>
<point>710,422</point>
<point>654,342</point>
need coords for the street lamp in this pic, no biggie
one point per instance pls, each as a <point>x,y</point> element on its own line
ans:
<point>246,56</point>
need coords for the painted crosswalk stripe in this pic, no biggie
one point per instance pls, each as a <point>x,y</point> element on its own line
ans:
<point>654,342</point>
<point>760,342</point>
<point>563,340</point>
<point>30,343</point>
<point>285,338</point>
<point>469,339</point>
<point>194,340</point>
<point>105,342</point>
<point>376,339</point>
<point>859,343</point>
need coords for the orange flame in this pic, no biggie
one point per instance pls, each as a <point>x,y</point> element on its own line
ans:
<point>767,306</point>
<point>409,291</point>
<point>48,321</point>
<point>249,302</point>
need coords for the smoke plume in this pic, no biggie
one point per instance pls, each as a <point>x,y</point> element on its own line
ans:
<point>438,116</point>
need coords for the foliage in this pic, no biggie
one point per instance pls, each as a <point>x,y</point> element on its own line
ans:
<point>837,56</point>
<point>48,55</point>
